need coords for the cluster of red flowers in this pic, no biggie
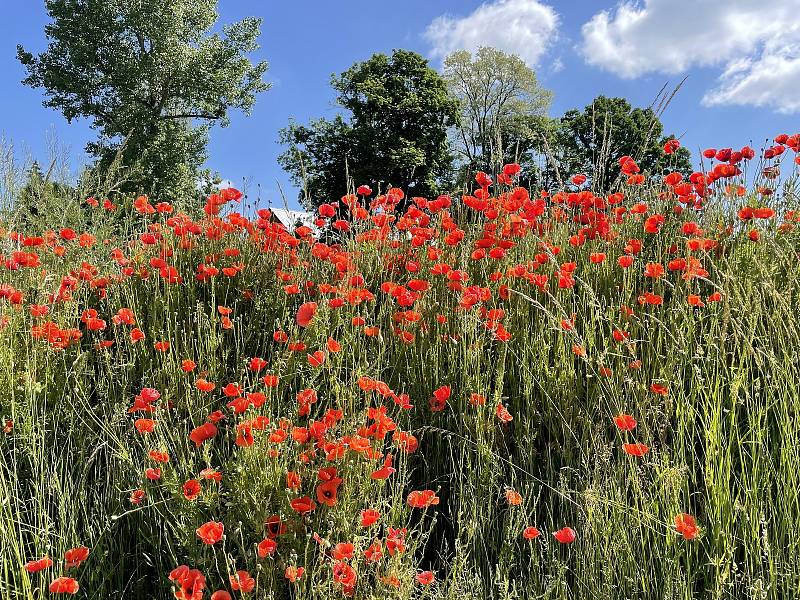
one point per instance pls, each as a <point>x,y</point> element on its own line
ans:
<point>427,260</point>
<point>73,558</point>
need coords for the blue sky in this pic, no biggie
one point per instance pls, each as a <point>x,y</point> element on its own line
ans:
<point>742,59</point>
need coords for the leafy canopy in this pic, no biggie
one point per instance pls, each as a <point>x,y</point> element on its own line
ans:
<point>591,142</point>
<point>399,113</point>
<point>151,74</point>
<point>503,109</point>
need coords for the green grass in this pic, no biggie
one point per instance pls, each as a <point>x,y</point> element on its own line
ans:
<point>725,444</point>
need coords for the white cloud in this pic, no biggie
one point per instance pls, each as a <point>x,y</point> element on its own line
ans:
<point>756,43</point>
<point>522,27</point>
<point>770,80</point>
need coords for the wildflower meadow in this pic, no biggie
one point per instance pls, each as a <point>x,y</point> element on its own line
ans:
<point>510,394</point>
<point>486,353</point>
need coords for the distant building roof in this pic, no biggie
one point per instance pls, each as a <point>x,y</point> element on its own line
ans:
<point>292,218</point>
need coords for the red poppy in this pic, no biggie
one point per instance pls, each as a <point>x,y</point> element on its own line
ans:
<point>565,535</point>
<point>531,533</point>
<point>503,414</point>
<point>191,489</point>
<point>34,566</point>
<point>385,471</point>
<point>210,533</point>
<point>513,497</point>
<point>425,578</point>
<point>440,397</point>
<point>242,581</point>
<point>422,499</point>
<point>267,547</point>
<point>204,432</point>
<point>64,585</point>
<point>316,359</point>
<point>637,449</point>
<point>145,425</point>
<point>625,422</point>
<point>660,389</point>
<point>292,480</point>
<point>303,505</point>
<point>686,526</point>
<point>369,517</point>
<point>327,490</point>
<point>204,386</point>
<point>305,314</point>
<point>293,574</point>
<point>211,475</point>
<point>75,556</point>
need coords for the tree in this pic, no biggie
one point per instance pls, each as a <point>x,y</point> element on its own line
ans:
<point>151,77</point>
<point>592,141</point>
<point>503,109</point>
<point>395,133</point>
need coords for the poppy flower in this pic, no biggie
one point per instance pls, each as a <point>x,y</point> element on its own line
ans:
<point>267,547</point>
<point>34,566</point>
<point>221,595</point>
<point>305,314</point>
<point>579,180</point>
<point>637,449</point>
<point>204,432</point>
<point>369,517</point>
<point>316,359</point>
<point>342,551</point>
<point>270,380</point>
<point>440,397</point>
<point>256,364</point>
<point>513,497</point>
<point>158,456</point>
<point>374,552</point>
<point>293,574</point>
<point>145,425</point>
<point>292,480</point>
<point>566,535</point>
<point>660,389</point>
<point>385,471</point>
<point>425,578</point>
<point>191,581</point>
<point>327,490</point>
<point>210,533</point>
<point>422,499</point>
<point>686,526</point>
<point>211,475</point>
<point>64,585</point>
<point>477,399</point>
<point>303,505</point>
<point>530,533</point>
<point>75,556</point>
<point>191,489</point>
<point>503,414</point>
<point>204,385</point>
<point>625,422</point>
<point>242,581</point>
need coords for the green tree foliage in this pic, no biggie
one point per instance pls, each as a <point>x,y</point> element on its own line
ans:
<point>399,113</point>
<point>41,196</point>
<point>591,142</point>
<point>503,110</point>
<point>152,77</point>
